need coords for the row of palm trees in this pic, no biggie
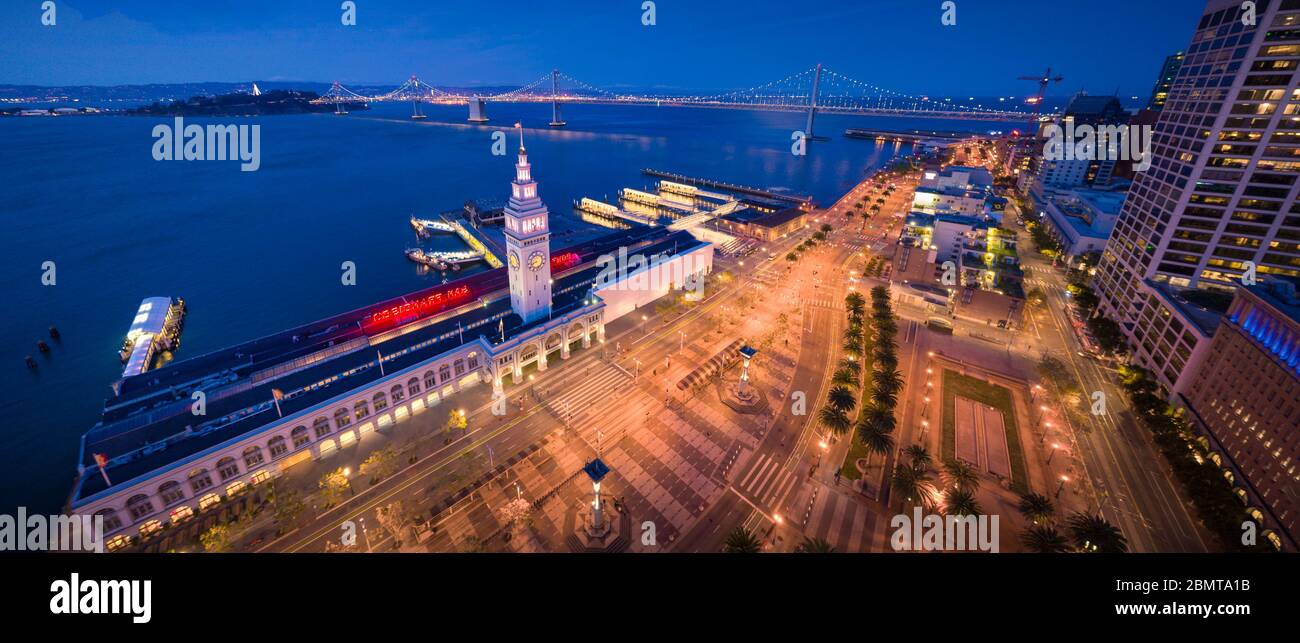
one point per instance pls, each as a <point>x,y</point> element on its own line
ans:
<point>1083,532</point>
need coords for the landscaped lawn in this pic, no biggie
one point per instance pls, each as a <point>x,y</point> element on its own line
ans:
<point>998,397</point>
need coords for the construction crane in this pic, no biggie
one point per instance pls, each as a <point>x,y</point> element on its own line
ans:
<point>1043,81</point>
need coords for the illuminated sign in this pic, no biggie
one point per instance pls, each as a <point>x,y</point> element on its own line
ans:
<point>564,261</point>
<point>422,307</point>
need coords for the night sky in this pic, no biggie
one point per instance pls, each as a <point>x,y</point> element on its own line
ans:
<point>1098,45</point>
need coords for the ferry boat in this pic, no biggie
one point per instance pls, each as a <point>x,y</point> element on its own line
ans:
<point>423,258</point>
<point>157,327</point>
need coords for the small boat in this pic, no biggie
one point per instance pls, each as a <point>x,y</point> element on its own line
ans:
<point>54,333</point>
<point>31,363</point>
<point>42,346</point>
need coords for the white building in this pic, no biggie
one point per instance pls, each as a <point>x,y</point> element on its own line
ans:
<point>305,393</point>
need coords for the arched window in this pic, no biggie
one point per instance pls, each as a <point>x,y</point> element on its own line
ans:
<point>381,401</point>
<point>460,367</point>
<point>277,446</point>
<point>321,426</point>
<point>430,380</point>
<point>300,436</point>
<point>342,417</point>
<point>227,468</point>
<point>361,409</point>
<point>111,521</point>
<point>252,456</point>
<point>413,386</point>
<point>139,506</point>
<point>398,393</point>
<point>200,479</point>
<point>171,493</point>
<point>473,360</point>
<point>444,373</point>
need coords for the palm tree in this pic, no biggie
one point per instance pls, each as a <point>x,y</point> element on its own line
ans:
<point>844,378</point>
<point>888,380</point>
<point>852,366</point>
<point>961,475</point>
<point>742,541</point>
<point>960,502</point>
<point>834,419</point>
<point>1036,507</point>
<point>814,546</point>
<point>854,303</point>
<point>882,417</point>
<point>913,486</point>
<point>1092,533</point>
<point>1044,539</point>
<point>885,399</point>
<point>842,399</point>
<point>875,437</point>
<point>853,334</point>
<point>919,455</point>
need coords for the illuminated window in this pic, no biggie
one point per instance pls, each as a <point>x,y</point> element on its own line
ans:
<point>342,417</point>
<point>235,487</point>
<point>209,500</point>
<point>252,456</point>
<point>321,426</point>
<point>181,514</point>
<point>260,477</point>
<point>117,542</point>
<point>150,527</point>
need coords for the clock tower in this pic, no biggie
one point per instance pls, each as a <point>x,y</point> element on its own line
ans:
<point>528,243</point>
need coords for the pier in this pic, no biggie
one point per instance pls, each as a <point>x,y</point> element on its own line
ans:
<point>933,137</point>
<point>730,187</point>
<point>602,209</point>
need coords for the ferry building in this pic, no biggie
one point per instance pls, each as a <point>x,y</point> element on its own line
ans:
<point>303,393</point>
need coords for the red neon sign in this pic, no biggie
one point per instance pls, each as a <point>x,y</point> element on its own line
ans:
<point>423,307</point>
<point>565,261</point>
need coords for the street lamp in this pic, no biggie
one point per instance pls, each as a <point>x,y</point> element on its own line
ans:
<point>1064,479</point>
<point>1055,447</point>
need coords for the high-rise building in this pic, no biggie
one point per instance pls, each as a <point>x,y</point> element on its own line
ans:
<point>1218,200</point>
<point>1245,398</point>
<point>1164,82</point>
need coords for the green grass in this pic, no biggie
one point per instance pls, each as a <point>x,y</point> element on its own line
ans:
<point>998,397</point>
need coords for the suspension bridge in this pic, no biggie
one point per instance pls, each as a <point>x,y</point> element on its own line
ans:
<point>817,90</point>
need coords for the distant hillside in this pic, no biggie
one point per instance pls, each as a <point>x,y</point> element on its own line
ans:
<point>278,101</point>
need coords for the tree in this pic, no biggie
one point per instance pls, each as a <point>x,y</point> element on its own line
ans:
<point>918,455</point>
<point>1044,539</point>
<point>1036,507</point>
<point>882,417</point>
<point>1036,299</point>
<point>844,378</point>
<point>742,541</point>
<point>854,303</point>
<point>1109,336</point>
<point>217,538</point>
<point>960,475</point>
<point>814,546</point>
<point>394,518</point>
<point>518,512</point>
<point>334,487</point>
<point>913,486</point>
<point>791,256</point>
<point>960,502</point>
<point>851,365</point>
<point>1092,533</point>
<point>842,399</point>
<point>826,227</point>
<point>875,437</point>
<point>288,505</point>
<point>834,419</point>
<point>381,463</point>
<point>456,421</point>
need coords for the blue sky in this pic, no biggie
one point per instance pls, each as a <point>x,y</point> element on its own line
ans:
<point>1098,45</point>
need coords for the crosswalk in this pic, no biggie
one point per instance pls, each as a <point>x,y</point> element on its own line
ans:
<point>824,302</point>
<point>766,483</point>
<point>575,406</point>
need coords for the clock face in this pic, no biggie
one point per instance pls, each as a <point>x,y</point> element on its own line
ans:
<point>535,261</point>
<point>514,260</point>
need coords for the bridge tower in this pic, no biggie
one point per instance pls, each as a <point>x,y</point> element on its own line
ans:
<point>477,112</point>
<point>555,101</point>
<point>812,106</point>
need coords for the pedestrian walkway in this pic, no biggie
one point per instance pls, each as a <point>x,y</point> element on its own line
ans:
<point>766,483</point>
